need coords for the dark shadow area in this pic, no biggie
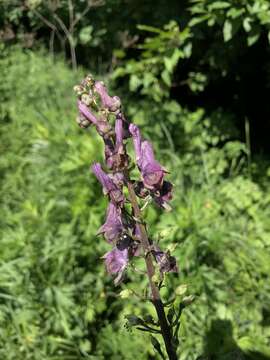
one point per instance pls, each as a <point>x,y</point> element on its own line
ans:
<point>219,344</point>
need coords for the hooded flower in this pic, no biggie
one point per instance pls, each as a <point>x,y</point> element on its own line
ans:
<point>166,262</point>
<point>84,110</point>
<point>152,172</point>
<point>108,102</point>
<point>116,261</point>
<point>164,195</point>
<point>137,142</point>
<point>115,154</point>
<point>109,187</point>
<point>113,226</point>
<point>102,126</point>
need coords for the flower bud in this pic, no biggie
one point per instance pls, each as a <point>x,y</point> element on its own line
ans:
<point>86,99</point>
<point>88,82</point>
<point>82,122</point>
<point>79,90</point>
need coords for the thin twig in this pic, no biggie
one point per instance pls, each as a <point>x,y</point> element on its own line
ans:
<point>52,36</point>
<point>70,40</point>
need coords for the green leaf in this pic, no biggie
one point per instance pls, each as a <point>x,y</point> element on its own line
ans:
<point>149,28</point>
<point>126,293</point>
<point>219,5</point>
<point>156,346</point>
<point>198,19</point>
<point>227,30</point>
<point>134,82</point>
<point>85,35</point>
<point>166,77</point>
<point>253,36</point>
<point>181,290</point>
<point>247,24</point>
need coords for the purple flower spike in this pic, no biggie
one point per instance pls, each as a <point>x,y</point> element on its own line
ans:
<point>108,102</point>
<point>113,227</point>
<point>116,261</point>
<point>84,110</point>
<point>166,262</point>
<point>137,141</point>
<point>109,187</point>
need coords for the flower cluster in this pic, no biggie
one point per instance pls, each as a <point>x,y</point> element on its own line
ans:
<point>98,109</point>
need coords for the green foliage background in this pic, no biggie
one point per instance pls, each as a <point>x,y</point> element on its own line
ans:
<point>181,73</point>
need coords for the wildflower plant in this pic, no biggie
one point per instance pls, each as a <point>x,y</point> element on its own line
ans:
<point>125,228</point>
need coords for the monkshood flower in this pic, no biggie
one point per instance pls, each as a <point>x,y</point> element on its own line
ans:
<point>113,226</point>
<point>166,262</point>
<point>111,103</point>
<point>103,127</point>
<point>116,262</point>
<point>124,227</point>
<point>115,153</point>
<point>152,172</point>
<point>109,187</point>
<point>163,195</point>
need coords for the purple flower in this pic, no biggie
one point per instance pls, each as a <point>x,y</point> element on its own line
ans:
<point>152,172</point>
<point>84,110</point>
<point>164,195</point>
<point>113,226</point>
<point>137,142</point>
<point>109,187</point>
<point>116,261</point>
<point>115,154</point>
<point>166,262</point>
<point>108,102</point>
<point>118,178</point>
<point>102,126</point>
<point>109,152</point>
<point>119,131</point>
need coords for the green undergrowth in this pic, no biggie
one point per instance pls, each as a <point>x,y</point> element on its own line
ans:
<point>56,300</point>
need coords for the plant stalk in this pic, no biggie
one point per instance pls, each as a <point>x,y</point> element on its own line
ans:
<point>156,299</point>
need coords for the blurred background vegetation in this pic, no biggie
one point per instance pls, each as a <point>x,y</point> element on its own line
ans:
<point>195,75</point>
